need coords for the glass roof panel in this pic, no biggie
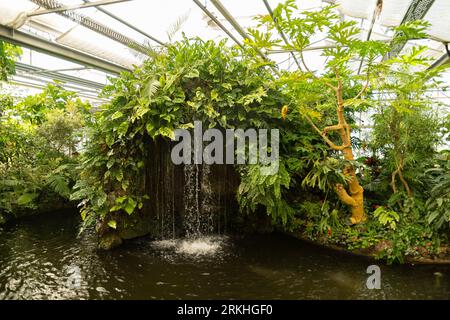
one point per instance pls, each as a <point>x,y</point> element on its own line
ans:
<point>157,18</point>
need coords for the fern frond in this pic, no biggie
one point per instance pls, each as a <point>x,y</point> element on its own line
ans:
<point>59,185</point>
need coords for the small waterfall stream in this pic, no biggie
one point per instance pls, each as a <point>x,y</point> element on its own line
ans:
<point>199,204</point>
<point>189,205</point>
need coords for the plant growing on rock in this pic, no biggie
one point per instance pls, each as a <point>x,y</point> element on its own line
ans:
<point>192,80</point>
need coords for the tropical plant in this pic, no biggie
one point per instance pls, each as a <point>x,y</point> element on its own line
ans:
<point>386,217</point>
<point>406,127</point>
<point>9,53</point>
<point>438,204</point>
<point>339,88</point>
<point>37,159</point>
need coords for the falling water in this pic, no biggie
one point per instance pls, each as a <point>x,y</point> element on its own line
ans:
<point>207,203</point>
<point>199,201</point>
<point>191,203</point>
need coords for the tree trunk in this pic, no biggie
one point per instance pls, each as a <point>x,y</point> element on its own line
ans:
<point>354,199</point>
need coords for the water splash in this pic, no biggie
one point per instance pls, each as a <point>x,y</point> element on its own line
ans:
<point>203,246</point>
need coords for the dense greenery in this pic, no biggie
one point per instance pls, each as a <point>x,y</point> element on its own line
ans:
<point>192,80</point>
<point>39,136</point>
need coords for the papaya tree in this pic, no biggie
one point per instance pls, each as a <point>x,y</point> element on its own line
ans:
<point>338,88</point>
<point>406,127</point>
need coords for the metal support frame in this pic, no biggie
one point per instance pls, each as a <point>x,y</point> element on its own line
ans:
<point>24,39</point>
<point>227,15</point>
<point>93,25</point>
<point>444,59</point>
<point>416,11</point>
<point>74,7</point>
<point>129,25</point>
<point>283,36</point>
<point>375,13</point>
<point>55,75</point>
<point>218,23</point>
<point>42,85</point>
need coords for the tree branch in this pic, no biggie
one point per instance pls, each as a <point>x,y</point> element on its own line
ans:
<point>326,139</point>
<point>312,73</point>
<point>364,88</point>
<point>344,196</point>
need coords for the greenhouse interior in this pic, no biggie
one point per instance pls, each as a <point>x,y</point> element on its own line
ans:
<point>223,149</point>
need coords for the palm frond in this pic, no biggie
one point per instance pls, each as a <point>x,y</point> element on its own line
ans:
<point>176,26</point>
<point>151,87</point>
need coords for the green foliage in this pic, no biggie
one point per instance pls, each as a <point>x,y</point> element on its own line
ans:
<point>257,188</point>
<point>438,204</point>
<point>35,108</point>
<point>192,80</point>
<point>8,55</point>
<point>412,240</point>
<point>386,217</point>
<point>319,218</point>
<point>229,87</point>
<point>37,162</point>
<point>326,173</point>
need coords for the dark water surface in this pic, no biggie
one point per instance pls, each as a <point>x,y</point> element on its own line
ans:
<point>42,258</point>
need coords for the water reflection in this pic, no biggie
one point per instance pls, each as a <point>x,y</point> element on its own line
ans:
<point>42,258</point>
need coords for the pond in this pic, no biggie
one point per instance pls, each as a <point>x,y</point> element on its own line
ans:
<point>42,258</point>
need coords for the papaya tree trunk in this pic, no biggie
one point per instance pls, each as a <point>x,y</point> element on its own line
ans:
<point>354,197</point>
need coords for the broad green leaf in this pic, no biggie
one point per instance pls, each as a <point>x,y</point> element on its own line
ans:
<point>192,74</point>
<point>116,115</point>
<point>112,224</point>
<point>26,198</point>
<point>167,132</point>
<point>131,205</point>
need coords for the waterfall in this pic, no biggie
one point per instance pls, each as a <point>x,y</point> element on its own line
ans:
<point>199,217</point>
<point>207,208</point>
<point>185,200</point>
<point>191,204</point>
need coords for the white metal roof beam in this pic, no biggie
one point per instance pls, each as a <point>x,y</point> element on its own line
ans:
<point>75,7</point>
<point>55,75</point>
<point>129,25</point>
<point>442,60</point>
<point>375,13</point>
<point>416,11</point>
<point>218,23</point>
<point>280,31</point>
<point>227,15</point>
<point>23,39</point>
<point>93,25</point>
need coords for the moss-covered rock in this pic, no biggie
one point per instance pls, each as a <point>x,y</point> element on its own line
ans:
<point>142,226</point>
<point>109,241</point>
